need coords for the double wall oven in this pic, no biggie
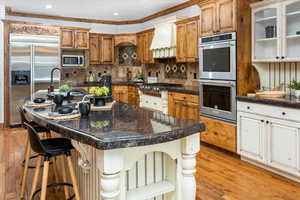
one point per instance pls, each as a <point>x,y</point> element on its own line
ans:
<point>217,68</point>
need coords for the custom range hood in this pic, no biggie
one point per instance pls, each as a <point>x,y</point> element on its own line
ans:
<point>164,41</point>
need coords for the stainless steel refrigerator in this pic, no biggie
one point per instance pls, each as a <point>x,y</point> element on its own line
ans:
<point>31,60</point>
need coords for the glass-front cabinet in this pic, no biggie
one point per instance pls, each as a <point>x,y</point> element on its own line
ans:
<point>266,35</point>
<point>291,30</point>
<point>276,31</point>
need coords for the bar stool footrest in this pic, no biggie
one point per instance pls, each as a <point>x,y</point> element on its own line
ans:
<point>54,185</point>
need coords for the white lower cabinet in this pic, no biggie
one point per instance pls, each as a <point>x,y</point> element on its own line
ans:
<point>268,139</point>
<point>283,147</point>
<point>252,136</point>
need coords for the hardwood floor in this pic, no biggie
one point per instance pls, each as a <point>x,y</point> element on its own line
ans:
<point>220,176</point>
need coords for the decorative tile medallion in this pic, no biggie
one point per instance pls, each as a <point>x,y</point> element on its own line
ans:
<point>127,56</point>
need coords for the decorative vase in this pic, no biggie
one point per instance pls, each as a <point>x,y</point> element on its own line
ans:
<point>297,94</point>
<point>99,101</point>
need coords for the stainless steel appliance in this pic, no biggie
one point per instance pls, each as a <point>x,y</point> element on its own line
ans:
<point>218,57</point>
<point>72,60</point>
<point>31,60</point>
<point>217,99</point>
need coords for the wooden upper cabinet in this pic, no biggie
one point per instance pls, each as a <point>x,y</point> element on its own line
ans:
<point>181,43</point>
<point>187,40</point>
<point>144,41</point>
<point>95,51</point>
<point>81,39</point>
<point>108,52</point>
<point>207,19</point>
<point>74,38</point>
<point>192,41</point>
<point>217,16</point>
<point>226,15</point>
<point>140,48</point>
<point>150,38</point>
<point>67,38</point>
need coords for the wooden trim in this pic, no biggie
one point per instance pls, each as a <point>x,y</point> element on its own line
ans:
<point>167,11</point>
<point>188,20</point>
<point>1,126</point>
<point>6,74</point>
<point>146,31</point>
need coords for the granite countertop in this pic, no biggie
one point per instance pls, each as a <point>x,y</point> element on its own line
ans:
<point>123,126</point>
<point>288,101</point>
<point>182,89</point>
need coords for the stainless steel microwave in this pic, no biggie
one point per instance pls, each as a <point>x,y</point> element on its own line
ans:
<point>72,61</point>
<point>218,57</point>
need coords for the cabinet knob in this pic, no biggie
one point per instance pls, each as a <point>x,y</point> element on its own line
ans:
<point>282,57</point>
<point>248,107</point>
<point>283,113</point>
<point>277,57</point>
<point>262,121</point>
<point>267,122</point>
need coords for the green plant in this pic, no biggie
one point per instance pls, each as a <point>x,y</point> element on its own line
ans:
<point>294,85</point>
<point>99,91</point>
<point>139,75</point>
<point>64,88</point>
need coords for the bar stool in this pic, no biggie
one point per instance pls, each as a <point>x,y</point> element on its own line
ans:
<point>47,149</point>
<point>27,157</point>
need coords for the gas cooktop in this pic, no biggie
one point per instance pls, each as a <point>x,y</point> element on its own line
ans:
<point>158,86</point>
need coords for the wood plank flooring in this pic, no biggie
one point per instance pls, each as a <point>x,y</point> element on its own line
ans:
<point>220,176</point>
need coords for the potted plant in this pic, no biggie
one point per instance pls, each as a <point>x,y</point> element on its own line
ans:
<point>295,86</point>
<point>139,77</point>
<point>99,94</point>
<point>64,88</point>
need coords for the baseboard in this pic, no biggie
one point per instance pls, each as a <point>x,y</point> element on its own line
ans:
<point>271,169</point>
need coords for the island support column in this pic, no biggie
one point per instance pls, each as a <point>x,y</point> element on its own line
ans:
<point>190,147</point>
<point>110,164</point>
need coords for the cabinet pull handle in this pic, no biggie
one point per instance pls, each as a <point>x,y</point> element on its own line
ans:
<point>283,113</point>
<point>262,121</point>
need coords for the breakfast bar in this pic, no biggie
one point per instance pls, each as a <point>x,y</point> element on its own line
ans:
<point>129,152</point>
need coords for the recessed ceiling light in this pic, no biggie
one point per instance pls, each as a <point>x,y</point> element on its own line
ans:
<point>116,14</point>
<point>48,6</point>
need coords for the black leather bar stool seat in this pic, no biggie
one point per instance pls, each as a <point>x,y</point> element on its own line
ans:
<point>57,146</point>
<point>46,149</point>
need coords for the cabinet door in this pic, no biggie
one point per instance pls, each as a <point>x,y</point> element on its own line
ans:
<point>150,38</point>
<point>192,111</point>
<point>107,46</point>
<point>95,53</point>
<point>181,43</point>
<point>140,48</point>
<point>81,39</point>
<point>67,38</point>
<point>179,109</point>
<point>226,16</point>
<point>291,34</point>
<point>252,136</point>
<point>207,19</point>
<point>266,35</point>
<point>192,41</point>
<point>146,49</point>
<point>284,148</point>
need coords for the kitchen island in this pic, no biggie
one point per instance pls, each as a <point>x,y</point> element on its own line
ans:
<point>130,152</point>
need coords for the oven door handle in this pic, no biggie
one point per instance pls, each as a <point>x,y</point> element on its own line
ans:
<point>218,45</point>
<point>218,83</point>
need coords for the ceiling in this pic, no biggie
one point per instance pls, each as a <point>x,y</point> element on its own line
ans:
<point>93,9</point>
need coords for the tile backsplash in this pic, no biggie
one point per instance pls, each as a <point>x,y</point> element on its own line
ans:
<point>186,73</point>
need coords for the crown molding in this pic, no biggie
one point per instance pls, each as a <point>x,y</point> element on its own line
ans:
<point>167,11</point>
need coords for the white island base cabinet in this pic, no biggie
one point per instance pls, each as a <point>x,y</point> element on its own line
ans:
<point>156,172</point>
<point>269,136</point>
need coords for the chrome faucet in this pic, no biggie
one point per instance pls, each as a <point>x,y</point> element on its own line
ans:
<point>51,86</point>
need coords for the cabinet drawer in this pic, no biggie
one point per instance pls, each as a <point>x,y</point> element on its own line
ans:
<point>185,97</point>
<point>272,111</point>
